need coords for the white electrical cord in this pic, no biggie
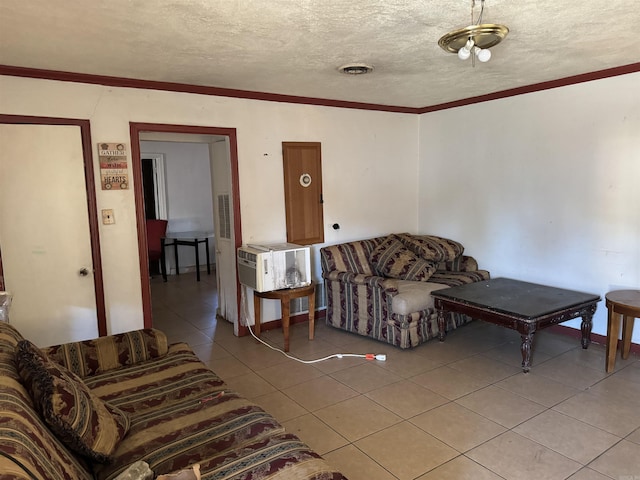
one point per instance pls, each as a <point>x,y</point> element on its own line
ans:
<point>369,356</point>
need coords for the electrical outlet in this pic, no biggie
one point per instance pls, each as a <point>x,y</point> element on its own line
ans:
<point>107,217</point>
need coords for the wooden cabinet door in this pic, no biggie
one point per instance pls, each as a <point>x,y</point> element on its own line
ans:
<point>303,192</point>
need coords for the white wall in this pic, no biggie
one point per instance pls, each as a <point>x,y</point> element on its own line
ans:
<point>542,187</point>
<point>369,162</point>
<point>189,195</point>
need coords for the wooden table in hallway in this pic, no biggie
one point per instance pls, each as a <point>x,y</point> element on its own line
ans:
<point>190,239</point>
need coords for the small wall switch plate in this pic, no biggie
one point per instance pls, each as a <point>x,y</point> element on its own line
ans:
<point>107,217</point>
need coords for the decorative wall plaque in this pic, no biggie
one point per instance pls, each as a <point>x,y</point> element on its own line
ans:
<point>113,166</point>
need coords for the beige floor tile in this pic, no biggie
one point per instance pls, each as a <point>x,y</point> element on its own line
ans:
<point>630,372</point>
<point>538,389</point>
<point>568,436</point>
<point>228,367</point>
<point>510,354</point>
<point>449,382</point>
<point>336,364</point>
<point>290,373</point>
<point>175,327</point>
<point>460,468</point>
<point>442,353</point>
<point>593,357</point>
<point>258,357</point>
<point>588,474</point>
<point>354,343</point>
<point>457,426</point>
<point>501,406</point>
<point>250,385</point>
<point>209,352</point>
<point>366,377</point>
<point>193,338</point>
<point>620,462</point>
<point>319,393</point>
<point>517,458</point>
<point>356,465</point>
<point>306,349</point>
<point>406,363</point>
<point>472,340</point>
<point>615,387</point>
<point>357,417</point>
<point>315,433</point>
<point>280,406</point>
<point>406,399</point>
<point>569,373</point>
<point>553,344</point>
<point>406,451</point>
<point>485,369</point>
<point>611,415</point>
<point>634,437</point>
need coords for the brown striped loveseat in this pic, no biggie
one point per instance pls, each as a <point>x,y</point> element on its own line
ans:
<point>381,287</point>
<point>170,411</point>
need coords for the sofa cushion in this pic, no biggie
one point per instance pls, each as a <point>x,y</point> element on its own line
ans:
<point>414,296</point>
<point>89,357</point>
<point>80,419</point>
<point>392,259</point>
<point>432,248</point>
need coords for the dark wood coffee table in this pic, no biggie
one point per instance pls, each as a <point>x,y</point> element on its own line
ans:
<point>522,306</point>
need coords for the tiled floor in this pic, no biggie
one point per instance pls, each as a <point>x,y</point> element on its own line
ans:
<point>461,409</point>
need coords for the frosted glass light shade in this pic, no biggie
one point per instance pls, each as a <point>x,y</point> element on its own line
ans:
<point>464,53</point>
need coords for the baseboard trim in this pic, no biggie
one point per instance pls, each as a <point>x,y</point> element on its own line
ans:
<point>595,338</point>
<point>300,318</point>
<point>561,329</point>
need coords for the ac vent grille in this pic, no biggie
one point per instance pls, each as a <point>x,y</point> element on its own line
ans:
<point>301,305</point>
<point>224,216</point>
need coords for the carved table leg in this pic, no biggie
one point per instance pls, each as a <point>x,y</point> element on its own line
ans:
<point>586,326</point>
<point>441,325</point>
<point>525,348</point>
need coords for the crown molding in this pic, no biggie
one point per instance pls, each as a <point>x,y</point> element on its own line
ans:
<point>274,97</point>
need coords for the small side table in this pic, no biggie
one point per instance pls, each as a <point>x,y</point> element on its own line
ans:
<point>285,296</point>
<point>625,304</point>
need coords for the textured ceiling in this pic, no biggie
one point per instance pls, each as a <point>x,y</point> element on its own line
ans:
<point>294,47</point>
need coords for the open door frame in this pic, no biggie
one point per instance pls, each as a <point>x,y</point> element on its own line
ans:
<point>92,208</point>
<point>135,129</point>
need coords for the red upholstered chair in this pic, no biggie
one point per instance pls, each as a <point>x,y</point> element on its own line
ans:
<point>156,230</point>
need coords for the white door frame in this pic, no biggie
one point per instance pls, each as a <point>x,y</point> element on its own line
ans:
<point>135,129</point>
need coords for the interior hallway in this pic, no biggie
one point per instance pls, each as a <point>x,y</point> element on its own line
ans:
<point>461,409</point>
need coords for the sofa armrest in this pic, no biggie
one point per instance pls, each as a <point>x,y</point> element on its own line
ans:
<point>462,263</point>
<point>390,285</point>
<point>102,354</point>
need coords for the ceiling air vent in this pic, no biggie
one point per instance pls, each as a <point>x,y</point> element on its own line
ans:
<point>355,68</point>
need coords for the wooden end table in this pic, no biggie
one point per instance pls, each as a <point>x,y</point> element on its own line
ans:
<point>285,296</point>
<point>522,306</point>
<point>625,304</point>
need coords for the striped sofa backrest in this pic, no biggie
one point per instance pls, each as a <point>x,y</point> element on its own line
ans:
<point>349,257</point>
<point>28,449</point>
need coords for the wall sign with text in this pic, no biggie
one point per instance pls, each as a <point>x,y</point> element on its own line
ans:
<point>113,166</point>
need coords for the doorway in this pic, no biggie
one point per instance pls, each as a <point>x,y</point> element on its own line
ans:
<point>229,293</point>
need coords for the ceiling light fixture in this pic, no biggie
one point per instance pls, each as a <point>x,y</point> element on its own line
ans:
<point>355,68</point>
<point>476,39</point>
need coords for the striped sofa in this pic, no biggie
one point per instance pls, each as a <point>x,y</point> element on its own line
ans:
<point>179,413</point>
<point>373,290</point>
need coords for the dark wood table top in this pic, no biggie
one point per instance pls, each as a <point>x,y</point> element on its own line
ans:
<point>514,297</point>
